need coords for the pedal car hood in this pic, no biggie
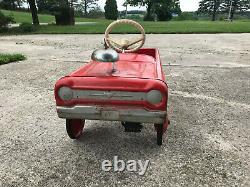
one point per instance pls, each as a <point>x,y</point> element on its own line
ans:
<point>130,65</point>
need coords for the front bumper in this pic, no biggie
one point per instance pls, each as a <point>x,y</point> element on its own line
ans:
<point>111,114</point>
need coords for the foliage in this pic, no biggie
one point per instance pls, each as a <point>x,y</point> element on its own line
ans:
<point>11,4</point>
<point>96,12</point>
<point>7,58</point>
<point>46,6</point>
<point>111,11</point>
<point>5,20</point>
<point>86,6</point>
<point>163,9</point>
<point>210,7</point>
<point>237,6</point>
<point>27,27</point>
<point>186,16</point>
<point>65,16</point>
<point>62,10</point>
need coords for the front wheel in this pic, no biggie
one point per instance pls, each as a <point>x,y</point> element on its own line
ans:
<point>74,127</point>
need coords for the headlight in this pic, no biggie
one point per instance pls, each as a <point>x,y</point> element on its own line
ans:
<point>154,97</point>
<point>65,93</point>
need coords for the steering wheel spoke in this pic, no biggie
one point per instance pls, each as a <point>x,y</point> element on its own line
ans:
<point>114,41</point>
<point>135,42</point>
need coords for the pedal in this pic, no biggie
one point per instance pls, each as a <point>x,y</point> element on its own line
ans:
<point>132,127</point>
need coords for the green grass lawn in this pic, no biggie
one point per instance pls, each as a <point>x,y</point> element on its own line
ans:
<point>8,58</point>
<point>239,26</point>
<point>153,27</point>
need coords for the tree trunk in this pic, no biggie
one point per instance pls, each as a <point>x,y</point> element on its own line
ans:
<point>85,8</point>
<point>33,10</point>
<point>214,11</point>
<point>232,14</point>
<point>233,10</point>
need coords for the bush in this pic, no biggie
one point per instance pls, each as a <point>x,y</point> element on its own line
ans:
<point>27,27</point>
<point>5,20</point>
<point>186,16</point>
<point>163,13</point>
<point>148,17</point>
<point>135,17</point>
<point>65,16</point>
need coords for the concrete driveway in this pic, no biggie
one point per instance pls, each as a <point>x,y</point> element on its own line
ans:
<point>207,144</point>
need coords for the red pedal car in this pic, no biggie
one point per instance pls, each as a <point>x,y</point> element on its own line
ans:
<point>122,83</point>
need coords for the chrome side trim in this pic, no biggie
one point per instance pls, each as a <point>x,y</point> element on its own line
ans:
<point>111,114</point>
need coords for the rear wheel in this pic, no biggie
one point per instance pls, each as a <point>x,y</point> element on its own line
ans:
<point>74,127</point>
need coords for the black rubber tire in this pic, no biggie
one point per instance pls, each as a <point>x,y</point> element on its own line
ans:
<point>159,128</point>
<point>74,128</point>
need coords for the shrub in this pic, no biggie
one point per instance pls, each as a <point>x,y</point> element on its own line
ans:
<point>135,17</point>
<point>65,16</point>
<point>186,16</point>
<point>148,17</point>
<point>27,27</point>
<point>5,20</point>
<point>163,13</point>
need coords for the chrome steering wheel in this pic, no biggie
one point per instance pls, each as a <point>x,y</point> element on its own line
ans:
<point>125,45</point>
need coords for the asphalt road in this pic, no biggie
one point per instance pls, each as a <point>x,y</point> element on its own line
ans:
<point>207,143</point>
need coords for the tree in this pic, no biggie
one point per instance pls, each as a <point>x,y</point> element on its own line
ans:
<point>33,9</point>
<point>233,6</point>
<point>44,6</point>
<point>163,9</point>
<point>210,7</point>
<point>149,6</point>
<point>85,5</point>
<point>11,4</point>
<point>111,11</point>
<point>63,10</point>
<point>176,8</point>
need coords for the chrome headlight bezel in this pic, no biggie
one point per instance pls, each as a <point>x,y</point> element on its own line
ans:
<point>65,93</point>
